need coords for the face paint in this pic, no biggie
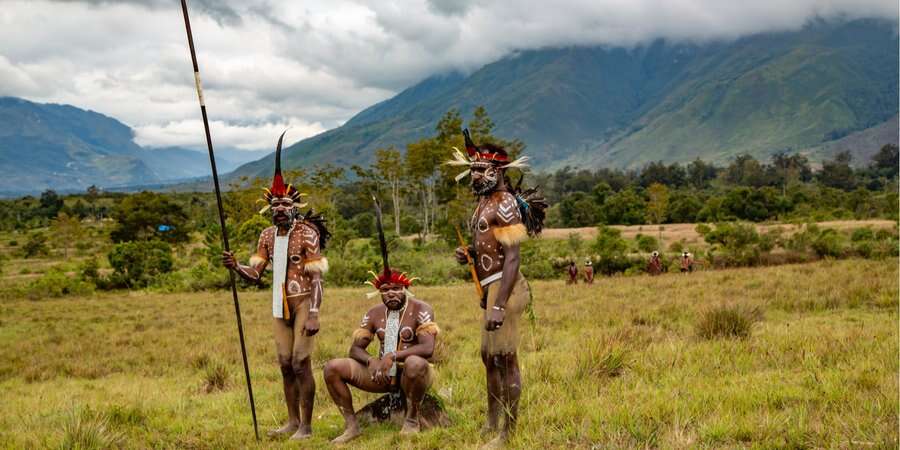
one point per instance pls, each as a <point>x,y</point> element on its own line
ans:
<point>393,296</point>
<point>283,212</point>
<point>484,180</point>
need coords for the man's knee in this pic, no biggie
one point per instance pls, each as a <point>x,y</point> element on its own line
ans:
<point>415,368</point>
<point>285,364</point>
<point>332,371</point>
<point>300,365</point>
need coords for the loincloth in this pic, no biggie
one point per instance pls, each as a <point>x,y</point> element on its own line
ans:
<point>505,340</point>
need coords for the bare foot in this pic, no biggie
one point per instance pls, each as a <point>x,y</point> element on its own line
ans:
<point>497,442</point>
<point>303,432</point>
<point>350,434</point>
<point>286,429</point>
<point>410,426</point>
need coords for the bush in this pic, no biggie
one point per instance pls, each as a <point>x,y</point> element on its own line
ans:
<point>740,243</point>
<point>90,270</point>
<point>645,243</point>
<point>828,243</point>
<point>135,264</point>
<point>727,321</point>
<point>36,245</point>
<point>55,283</point>
<point>862,234</point>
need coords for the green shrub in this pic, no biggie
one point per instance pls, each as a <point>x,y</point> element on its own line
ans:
<point>135,264</point>
<point>862,234</point>
<point>646,243</point>
<point>829,243</point>
<point>727,321</point>
<point>55,283</point>
<point>738,244</point>
<point>677,246</point>
<point>36,245</point>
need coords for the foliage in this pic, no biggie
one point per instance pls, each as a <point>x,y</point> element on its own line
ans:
<point>150,216</point>
<point>36,245</point>
<point>55,283</point>
<point>734,243</point>
<point>135,264</point>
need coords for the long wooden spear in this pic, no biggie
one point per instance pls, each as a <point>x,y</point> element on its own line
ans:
<point>215,174</point>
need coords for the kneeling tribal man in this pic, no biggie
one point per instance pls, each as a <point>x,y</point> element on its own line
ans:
<point>406,328</point>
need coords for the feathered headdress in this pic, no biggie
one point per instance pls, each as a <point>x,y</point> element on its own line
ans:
<point>387,275</point>
<point>278,188</point>
<point>487,154</point>
<point>530,201</point>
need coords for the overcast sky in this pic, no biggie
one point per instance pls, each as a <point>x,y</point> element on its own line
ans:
<point>312,65</point>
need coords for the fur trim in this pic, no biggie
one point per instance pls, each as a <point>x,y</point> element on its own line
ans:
<point>255,260</point>
<point>362,333</point>
<point>428,327</point>
<point>511,235</point>
<point>316,265</point>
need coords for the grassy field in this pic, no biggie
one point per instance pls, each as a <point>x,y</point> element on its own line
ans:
<point>620,364</point>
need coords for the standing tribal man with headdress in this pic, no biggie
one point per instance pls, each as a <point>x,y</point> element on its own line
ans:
<point>294,247</point>
<point>504,218</point>
<point>407,331</point>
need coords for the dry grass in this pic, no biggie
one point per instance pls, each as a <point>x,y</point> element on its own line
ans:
<point>613,365</point>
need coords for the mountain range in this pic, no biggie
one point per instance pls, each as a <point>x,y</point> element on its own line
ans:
<point>829,87</point>
<point>65,148</point>
<point>794,91</point>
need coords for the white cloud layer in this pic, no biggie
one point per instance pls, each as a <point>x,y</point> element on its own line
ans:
<point>312,65</point>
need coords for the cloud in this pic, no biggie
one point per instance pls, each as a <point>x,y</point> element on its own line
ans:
<point>245,137</point>
<point>314,64</point>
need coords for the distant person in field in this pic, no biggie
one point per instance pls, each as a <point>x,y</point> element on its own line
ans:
<point>573,273</point>
<point>505,216</point>
<point>687,262</point>
<point>654,267</point>
<point>293,245</point>
<point>588,272</point>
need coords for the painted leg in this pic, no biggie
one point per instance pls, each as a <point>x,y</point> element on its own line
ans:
<point>307,395</point>
<point>337,374</point>
<point>415,382</point>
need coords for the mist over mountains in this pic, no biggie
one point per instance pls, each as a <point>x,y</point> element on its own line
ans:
<point>598,106</point>
<point>829,87</point>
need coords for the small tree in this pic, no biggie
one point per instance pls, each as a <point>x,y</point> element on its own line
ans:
<point>135,264</point>
<point>67,231</point>
<point>389,163</point>
<point>148,216</point>
<point>658,205</point>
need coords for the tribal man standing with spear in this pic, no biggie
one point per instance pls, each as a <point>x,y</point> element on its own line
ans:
<point>294,247</point>
<point>504,218</point>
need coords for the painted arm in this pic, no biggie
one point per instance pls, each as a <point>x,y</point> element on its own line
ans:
<point>315,265</point>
